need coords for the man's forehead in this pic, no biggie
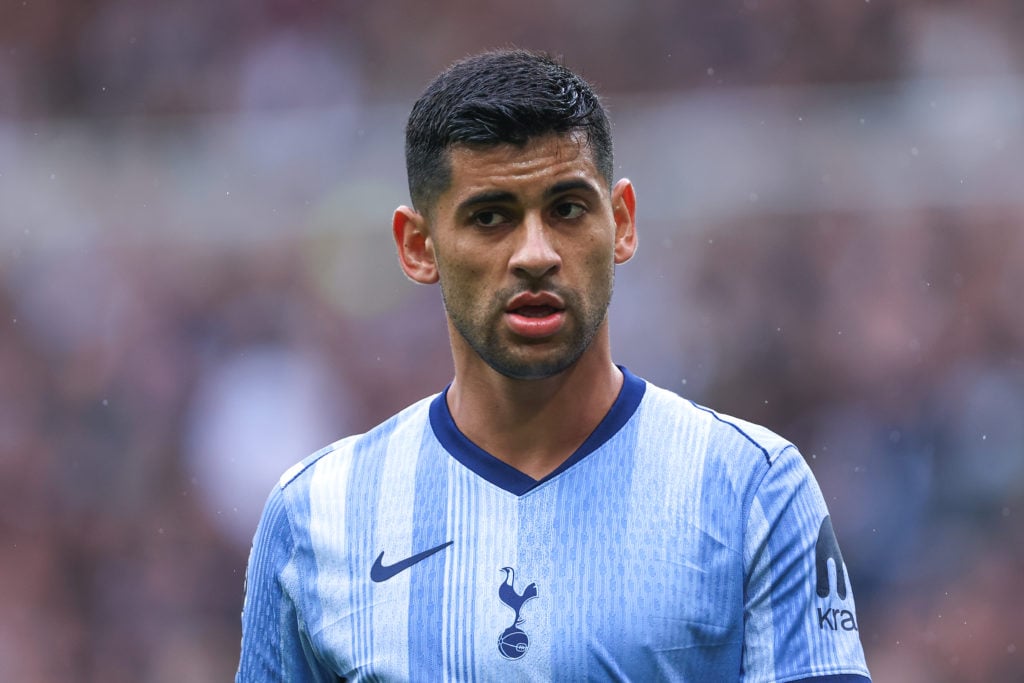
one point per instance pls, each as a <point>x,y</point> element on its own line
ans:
<point>540,157</point>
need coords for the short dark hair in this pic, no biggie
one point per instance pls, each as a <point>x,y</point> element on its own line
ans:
<point>499,97</point>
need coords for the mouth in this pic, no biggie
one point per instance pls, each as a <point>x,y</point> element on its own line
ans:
<point>535,316</point>
<point>535,304</point>
<point>534,311</point>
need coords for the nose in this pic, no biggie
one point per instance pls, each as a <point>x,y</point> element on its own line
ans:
<point>535,254</point>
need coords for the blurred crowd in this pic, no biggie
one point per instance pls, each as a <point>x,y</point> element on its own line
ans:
<point>165,354</point>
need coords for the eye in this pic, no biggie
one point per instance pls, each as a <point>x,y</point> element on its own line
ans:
<point>489,219</point>
<point>569,210</point>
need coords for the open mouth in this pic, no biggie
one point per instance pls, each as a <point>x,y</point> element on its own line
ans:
<point>538,320</point>
<point>535,311</point>
<point>535,315</point>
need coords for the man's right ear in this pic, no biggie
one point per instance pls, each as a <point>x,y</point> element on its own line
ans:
<point>415,248</point>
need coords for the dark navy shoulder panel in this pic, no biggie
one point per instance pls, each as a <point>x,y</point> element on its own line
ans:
<point>509,478</point>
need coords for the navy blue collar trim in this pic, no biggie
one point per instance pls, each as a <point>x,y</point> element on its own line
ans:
<point>509,478</point>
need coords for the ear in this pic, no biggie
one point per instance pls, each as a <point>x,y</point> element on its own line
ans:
<point>624,212</point>
<point>415,248</point>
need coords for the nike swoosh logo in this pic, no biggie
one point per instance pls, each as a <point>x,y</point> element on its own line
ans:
<point>380,572</point>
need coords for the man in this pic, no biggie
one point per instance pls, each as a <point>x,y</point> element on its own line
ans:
<point>549,516</point>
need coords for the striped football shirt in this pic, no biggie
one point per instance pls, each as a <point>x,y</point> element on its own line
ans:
<point>675,544</point>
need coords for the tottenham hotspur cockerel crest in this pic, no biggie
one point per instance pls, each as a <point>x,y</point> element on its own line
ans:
<point>513,642</point>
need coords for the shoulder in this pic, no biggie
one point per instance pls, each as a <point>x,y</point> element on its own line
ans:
<point>339,455</point>
<point>719,435</point>
<point>726,459</point>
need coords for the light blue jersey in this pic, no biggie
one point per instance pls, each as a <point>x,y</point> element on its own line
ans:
<point>676,544</point>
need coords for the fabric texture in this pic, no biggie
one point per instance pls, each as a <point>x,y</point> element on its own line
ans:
<point>676,544</point>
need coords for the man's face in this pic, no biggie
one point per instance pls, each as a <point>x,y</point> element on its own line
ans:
<point>525,242</point>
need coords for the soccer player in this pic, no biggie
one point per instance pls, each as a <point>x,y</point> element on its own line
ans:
<point>549,515</point>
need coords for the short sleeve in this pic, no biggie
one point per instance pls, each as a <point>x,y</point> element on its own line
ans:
<point>800,622</point>
<point>274,643</point>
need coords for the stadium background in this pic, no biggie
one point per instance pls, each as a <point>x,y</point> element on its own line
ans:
<point>198,287</point>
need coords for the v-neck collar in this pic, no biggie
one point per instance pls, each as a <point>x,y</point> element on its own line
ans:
<point>509,478</point>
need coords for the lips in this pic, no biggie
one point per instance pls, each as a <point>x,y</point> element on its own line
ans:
<point>535,311</point>
<point>535,314</point>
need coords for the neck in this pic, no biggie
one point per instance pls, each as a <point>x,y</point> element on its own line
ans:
<point>535,425</point>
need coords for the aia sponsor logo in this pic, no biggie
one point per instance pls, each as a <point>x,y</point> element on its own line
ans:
<point>827,548</point>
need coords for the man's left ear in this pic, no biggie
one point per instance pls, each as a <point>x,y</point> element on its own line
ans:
<point>624,212</point>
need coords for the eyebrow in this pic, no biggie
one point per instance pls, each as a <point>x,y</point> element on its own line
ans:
<point>569,186</point>
<point>503,196</point>
<point>486,197</point>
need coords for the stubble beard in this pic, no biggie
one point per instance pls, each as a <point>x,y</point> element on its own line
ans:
<point>483,332</point>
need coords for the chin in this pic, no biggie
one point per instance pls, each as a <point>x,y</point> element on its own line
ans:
<point>532,370</point>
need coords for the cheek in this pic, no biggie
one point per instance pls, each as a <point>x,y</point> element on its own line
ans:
<point>600,259</point>
<point>464,260</point>
<point>463,285</point>
<point>461,278</point>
